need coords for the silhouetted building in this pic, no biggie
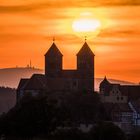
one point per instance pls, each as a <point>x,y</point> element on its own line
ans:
<point>120,91</point>
<point>58,80</point>
<point>120,102</point>
<point>121,115</point>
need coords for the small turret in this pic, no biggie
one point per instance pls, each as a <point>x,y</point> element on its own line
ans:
<point>105,86</point>
<point>105,82</point>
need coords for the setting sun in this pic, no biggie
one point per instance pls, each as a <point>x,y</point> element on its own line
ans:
<point>86,25</point>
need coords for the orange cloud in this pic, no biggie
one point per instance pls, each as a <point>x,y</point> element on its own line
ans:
<point>27,29</point>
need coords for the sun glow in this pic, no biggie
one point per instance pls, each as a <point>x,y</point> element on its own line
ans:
<point>86,25</point>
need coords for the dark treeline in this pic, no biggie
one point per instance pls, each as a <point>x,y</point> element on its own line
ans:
<point>52,119</point>
<point>7,90</point>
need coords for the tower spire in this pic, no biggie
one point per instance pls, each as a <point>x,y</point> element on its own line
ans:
<point>53,60</point>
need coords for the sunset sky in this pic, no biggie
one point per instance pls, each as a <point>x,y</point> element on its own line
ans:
<point>27,28</point>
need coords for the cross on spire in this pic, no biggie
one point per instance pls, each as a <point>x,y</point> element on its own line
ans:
<point>85,38</point>
<point>53,39</point>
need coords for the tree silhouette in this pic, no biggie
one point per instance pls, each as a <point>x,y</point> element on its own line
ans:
<point>107,131</point>
<point>29,118</point>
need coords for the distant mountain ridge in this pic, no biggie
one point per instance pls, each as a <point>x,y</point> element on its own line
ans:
<point>10,77</point>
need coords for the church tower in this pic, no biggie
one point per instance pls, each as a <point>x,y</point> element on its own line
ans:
<point>53,61</point>
<point>85,66</point>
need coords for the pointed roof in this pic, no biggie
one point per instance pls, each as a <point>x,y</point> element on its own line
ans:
<point>85,50</point>
<point>105,79</point>
<point>105,82</point>
<point>53,50</point>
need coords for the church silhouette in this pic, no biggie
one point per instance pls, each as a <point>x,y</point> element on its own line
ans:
<point>58,80</point>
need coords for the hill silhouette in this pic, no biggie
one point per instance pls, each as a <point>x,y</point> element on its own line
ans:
<point>10,77</point>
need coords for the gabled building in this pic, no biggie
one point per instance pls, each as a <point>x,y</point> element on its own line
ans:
<point>121,101</point>
<point>120,93</point>
<point>56,79</point>
<point>135,106</point>
<point>111,93</point>
<point>121,115</point>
